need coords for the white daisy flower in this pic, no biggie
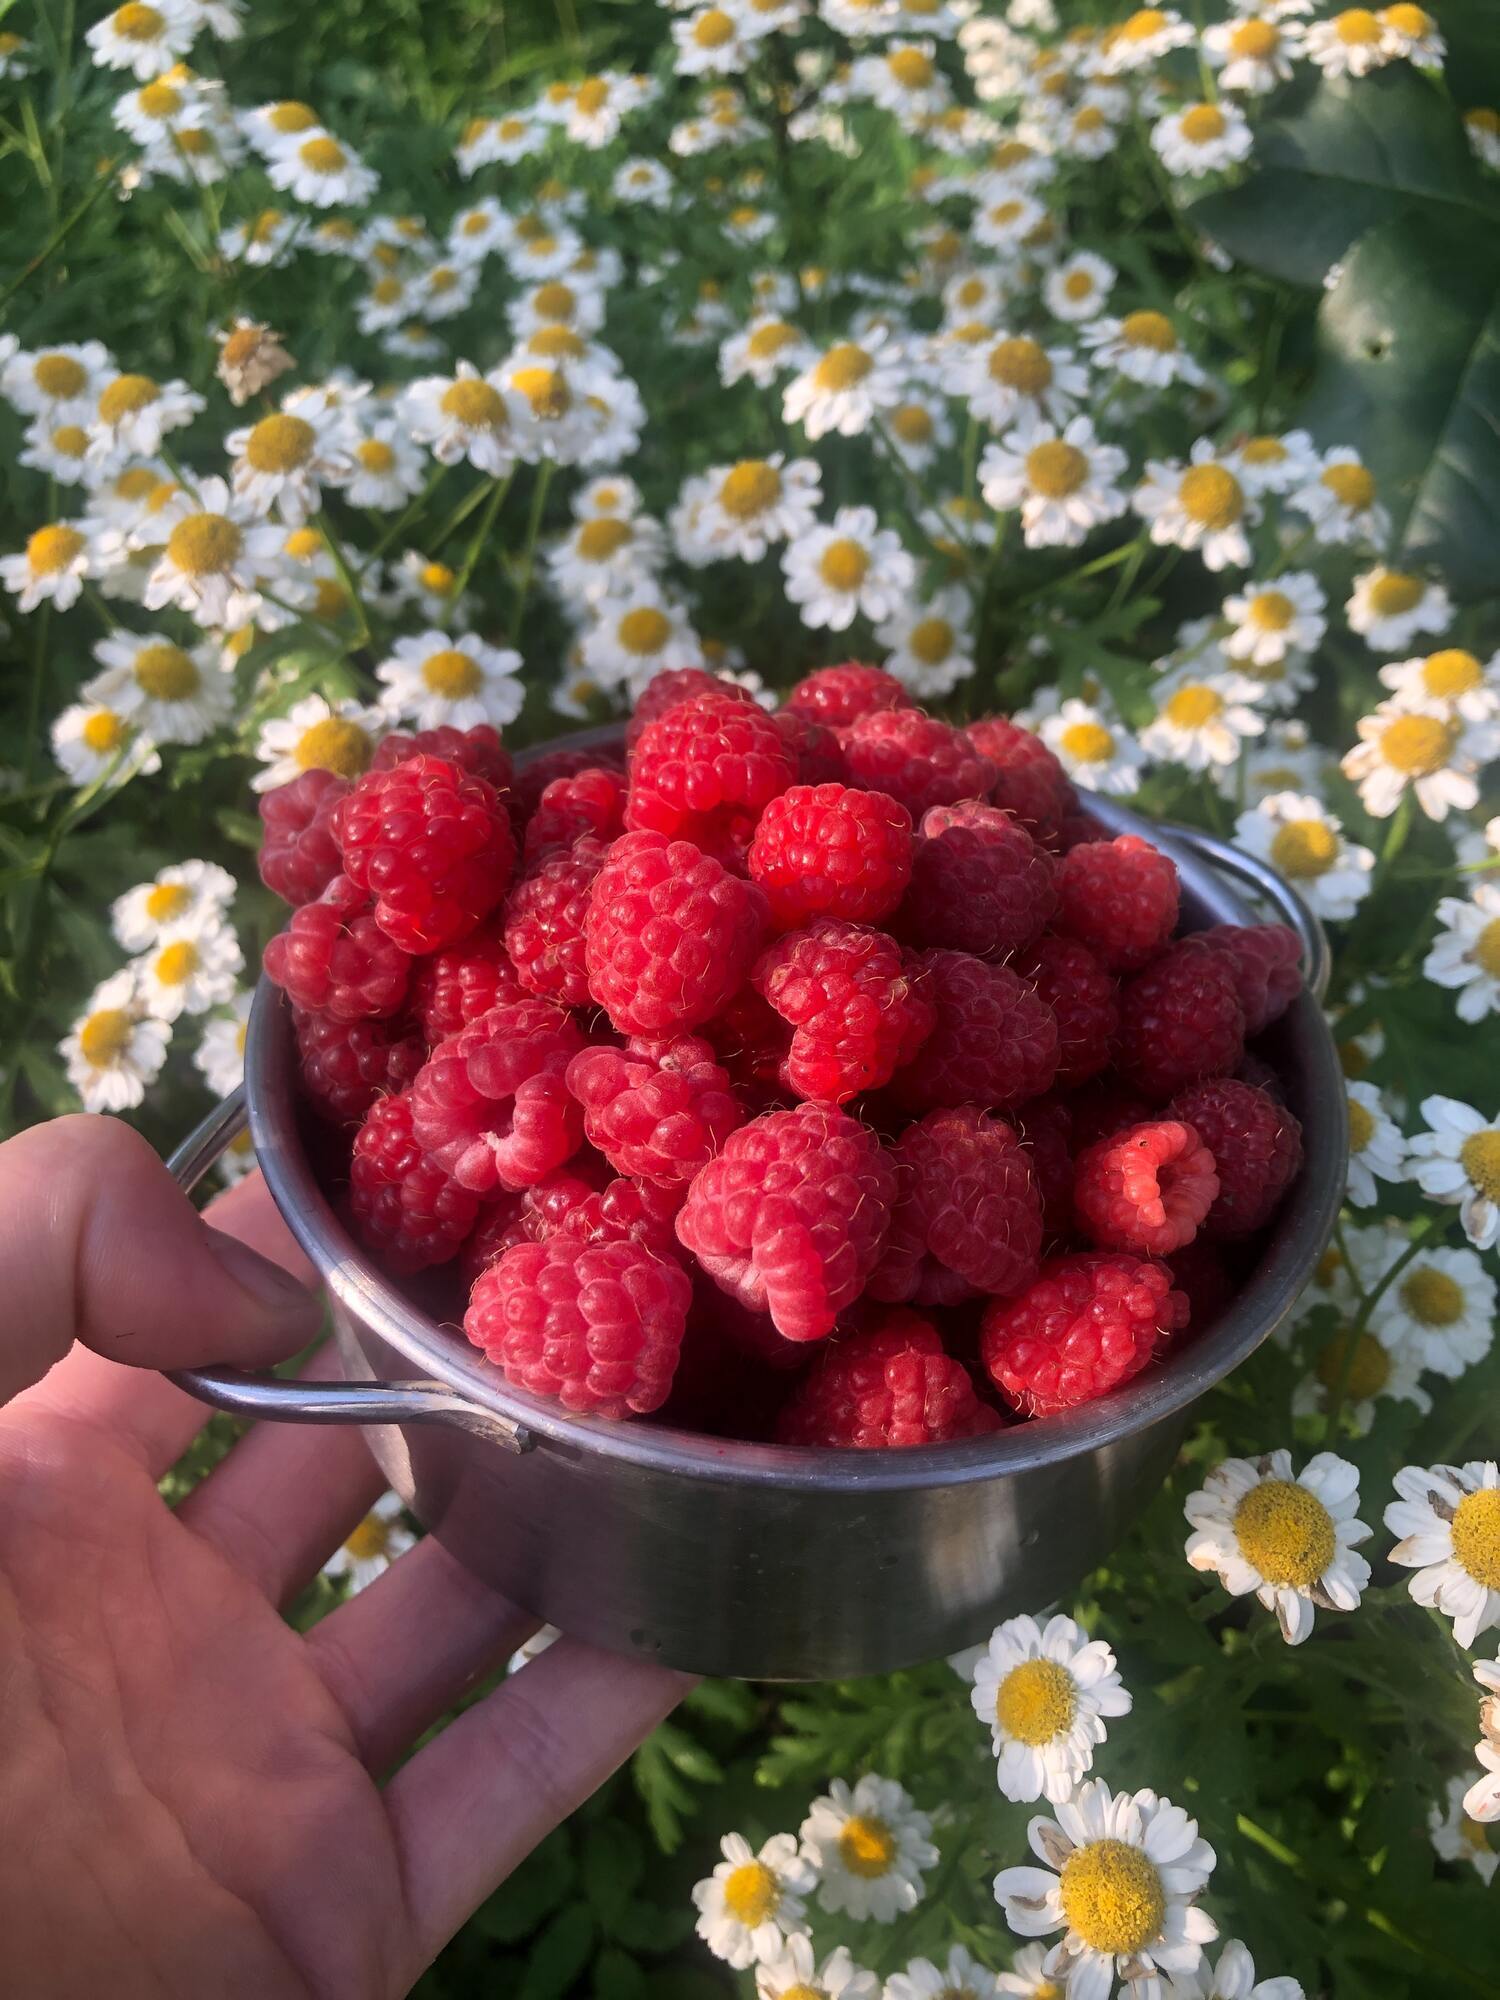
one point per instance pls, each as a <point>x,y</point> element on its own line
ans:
<point>323,172</point>
<point>132,414</point>
<point>1306,843</point>
<point>1045,1693</point>
<point>635,635</point>
<point>1466,952</point>
<point>1142,39</point>
<point>1482,1800</point>
<point>1390,607</point>
<point>114,1049</point>
<point>1448,1518</point>
<point>487,140</point>
<point>264,242</point>
<point>753,1902</point>
<point>1457,1837</point>
<point>1201,718</point>
<point>1011,376</point>
<point>1201,505</point>
<point>431,589</point>
<point>1142,347</point>
<point>974,295</point>
<point>444,290</point>
<point>1202,138</point>
<point>1028,1976</point>
<point>1378,1370</point>
<point>60,452</point>
<point>1451,682</point>
<point>604,555</point>
<point>920,427</point>
<point>166,691</point>
<point>15,56</point>
<point>464,416</point>
<point>1436,758</point>
<point>1340,498</point>
<point>433,680</point>
<point>271,128</point>
<point>642,183</point>
<point>1062,479</point>
<point>1285,759</point>
<point>193,965</point>
<point>1377,1146</point>
<point>1006,217</point>
<point>1482,123</point>
<point>1253,54</point>
<point>220,1055</point>
<point>282,462</point>
<point>1122,1879</point>
<point>478,231</point>
<point>961,1978</point>
<point>213,560</point>
<point>796,1975</point>
<point>61,382</point>
<point>1457,1160</point>
<point>1274,620</point>
<point>748,506</point>
<point>766,348</point>
<point>1289,1539</point>
<point>1079,287</point>
<point>143,39</point>
<point>931,644</point>
<point>844,388</point>
<point>1267,463</point>
<point>317,735</point>
<point>387,468</point>
<point>852,567</point>
<point>559,302</point>
<point>1094,748</point>
<point>538,254</point>
<point>189,892</point>
<point>1233,1978</point>
<point>902,78</point>
<point>869,1846</point>
<point>379,1539</point>
<point>612,493</point>
<point>1442,1307</point>
<point>53,566</point>
<point>91,743</point>
<point>1350,44</point>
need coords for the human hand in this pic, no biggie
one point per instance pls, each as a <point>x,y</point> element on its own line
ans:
<point>190,1788</point>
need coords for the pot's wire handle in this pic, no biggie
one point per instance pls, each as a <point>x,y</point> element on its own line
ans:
<point>1317,958</point>
<point>290,1401</point>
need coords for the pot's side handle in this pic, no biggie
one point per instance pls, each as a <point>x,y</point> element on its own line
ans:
<point>289,1401</point>
<point>1317,958</point>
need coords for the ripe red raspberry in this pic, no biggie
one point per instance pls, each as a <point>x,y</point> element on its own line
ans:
<point>1046,1129</point>
<point>658,1110</point>
<point>856,1013</point>
<point>449,989</point>
<point>299,856</point>
<point>544,923</point>
<point>671,689</point>
<point>890,1385</point>
<point>1091,1321</point>
<point>831,851</point>
<point>750,1041</point>
<point>1029,780</point>
<point>1145,1189</point>
<point>669,936</point>
<point>643,1211</point>
<point>491,1105</point>
<point>333,958</point>
<point>1085,1003</point>
<point>1104,1106</point>
<point>537,773</point>
<point>432,844</point>
<point>995,1042</point>
<point>979,882</point>
<point>1257,1148</point>
<point>815,750</point>
<point>968,1215</point>
<point>478,751</point>
<point>597,1325</point>
<point>1267,961</point>
<point>1180,1020</point>
<point>704,770</point>
<point>790,1217</point>
<point>1079,829</point>
<point>1119,897</point>
<point>588,802</point>
<point>918,760</point>
<point>532,1215</point>
<point>837,696</point>
<point>404,1206</point>
<point>346,1065</point>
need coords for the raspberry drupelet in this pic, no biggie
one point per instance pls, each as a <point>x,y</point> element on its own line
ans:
<point>968,1214</point>
<point>791,1215</point>
<point>890,1385</point>
<point>1267,961</point>
<point>838,696</point>
<point>1119,897</point>
<point>1257,1147</point>
<point>299,856</point>
<point>491,1105</point>
<point>671,689</point>
<point>346,1065</point>
<point>979,882</point>
<point>814,749</point>
<point>1145,1189</point>
<point>449,989</point>
<point>1085,1003</point>
<point>919,761</point>
<point>704,770</point>
<point>856,1012</point>
<point>535,775</point>
<point>478,751</point>
<point>405,1207</point>
<point>1029,781</point>
<point>656,1110</point>
<point>1091,1321</point>
<point>994,1042</point>
<point>831,851</point>
<point>333,958</point>
<point>589,802</point>
<point>544,923</point>
<point>1180,1020</point>
<point>432,844</point>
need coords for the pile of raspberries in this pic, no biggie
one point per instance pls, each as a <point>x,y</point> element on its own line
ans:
<point>826,1076</point>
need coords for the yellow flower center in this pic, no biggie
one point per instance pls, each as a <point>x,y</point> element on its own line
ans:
<point>1393,592</point>
<point>1036,1701</point>
<point>303,545</point>
<point>1087,118</point>
<point>1009,211</point>
<point>1432,1297</point>
<point>1357,27</point>
<point>1479,1157</point>
<point>204,544</point>
<point>845,564</point>
<point>749,488</point>
<point>375,455</point>
<point>1112,1896</point>
<point>1473,1835</point>
<point>866,1846</point>
<point>52,549</point>
<point>135,483</point>
<point>1484,118</point>
<point>194,141</point>
<point>1353,1060</point>
<point>1486,953</point>
<point>931,640</point>
<point>321,155</point>
<point>1149,329</point>
<point>802,1991</point>
<point>1201,124</point>
<point>1210,495</point>
<point>554,300</point>
<point>1368,1370</point>
<point>1476,1536</point>
<point>166,673</point>
<point>104,732</point>
<point>644,630</point>
<point>1263,451</point>
<point>1451,673</point>
<point>1254,41</point>
<point>1270,611</point>
<point>438,578</point>
<point>334,744</point>
<point>1056,469</point>
<point>166,901</point>
<point>1361,1126</point>
<point>713,29</point>
<point>751,1893</point>
<point>265,225</point>
<point>1406,20</point>
<point>599,539</point>
<point>330,599</point>
<point>1286,1532</point>
<point>768,340</point>
<point>386,291</point>
<point>280,444</point>
<point>546,390</point>
<point>59,376</point>
<point>125,396</point>
<point>910,67</point>
<point>138,23</point>
<point>1304,849</point>
<point>441,278</point>
<point>176,963</point>
<point>1417,744</point>
<point>912,424</point>
<point>842,366</point>
<point>452,674</point>
<point>105,1036</point>
<point>474,404</point>
<point>1020,364</point>
<point>1087,743</point>
<point>159,100</point>
<point>370,1539</point>
<point>1193,706</point>
<point>1351,485</point>
<point>556,339</point>
<point>290,116</point>
<point>1142,25</point>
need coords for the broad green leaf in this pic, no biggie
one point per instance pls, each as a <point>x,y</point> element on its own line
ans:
<point>558,1955</point>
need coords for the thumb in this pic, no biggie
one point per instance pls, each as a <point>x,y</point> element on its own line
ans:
<point>99,1244</point>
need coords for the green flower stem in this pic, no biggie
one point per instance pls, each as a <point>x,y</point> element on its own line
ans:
<point>348,576</point>
<point>1427,1227</point>
<point>528,553</point>
<point>481,533</point>
<point>407,515</point>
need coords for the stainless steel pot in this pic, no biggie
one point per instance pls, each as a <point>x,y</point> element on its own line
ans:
<point>754,1560</point>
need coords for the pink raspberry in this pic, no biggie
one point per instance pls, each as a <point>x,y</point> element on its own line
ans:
<point>588,802</point>
<point>1119,897</point>
<point>451,988</point>
<point>1267,961</point>
<point>404,1206</point>
<point>891,1385</point>
<point>478,751</point>
<point>537,773</point>
<point>837,696</point>
<point>669,936</point>
<point>831,851</point>
<point>704,770</point>
<point>333,958</point>
<point>432,844</point>
<point>643,1211</point>
<point>814,749</point>
<point>1180,1020</point>
<point>750,1041</point>
<point>671,689</point>
<point>968,1215</point>
<point>1257,1148</point>
<point>595,1325</point>
<point>299,856</point>
<point>491,1106</point>
<point>994,1044</point>
<point>1085,1003</point>
<point>532,1215</point>
<point>544,923</point>
<point>790,1217</point>
<point>1046,1129</point>
<point>918,760</point>
<point>1090,1322</point>
<point>657,1110</point>
<point>855,1011</point>
<point>346,1065</point>
<point>979,882</point>
<point>1029,780</point>
<point>1146,1189</point>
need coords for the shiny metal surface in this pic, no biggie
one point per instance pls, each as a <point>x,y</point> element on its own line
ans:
<point>755,1560</point>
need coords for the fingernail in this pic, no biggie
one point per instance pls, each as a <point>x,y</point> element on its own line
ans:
<point>271,1287</point>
